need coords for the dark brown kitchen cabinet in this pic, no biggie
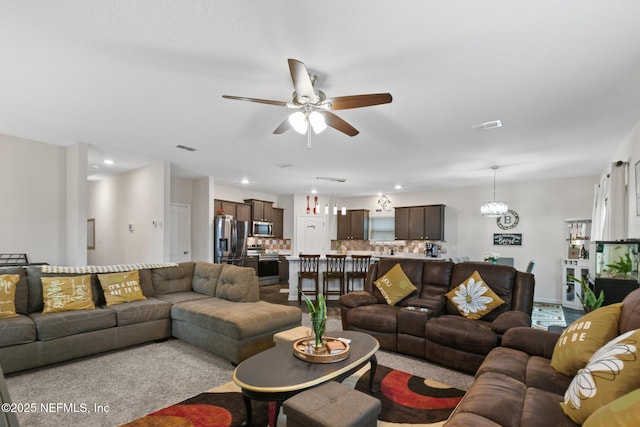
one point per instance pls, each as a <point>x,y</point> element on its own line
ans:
<point>354,225</point>
<point>419,222</point>
<point>239,211</point>
<point>283,269</point>
<point>261,210</point>
<point>252,261</point>
<point>278,223</point>
<point>402,223</point>
<point>243,212</point>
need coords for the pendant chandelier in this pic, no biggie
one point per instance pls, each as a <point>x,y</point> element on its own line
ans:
<point>494,208</point>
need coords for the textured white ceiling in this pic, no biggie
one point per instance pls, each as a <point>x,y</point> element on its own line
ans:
<point>135,78</point>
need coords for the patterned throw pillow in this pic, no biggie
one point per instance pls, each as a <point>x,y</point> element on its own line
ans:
<point>394,285</point>
<point>583,337</point>
<point>121,287</point>
<point>622,412</point>
<point>612,372</point>
<point>66,293</point>
<point>474,298</point>
<point>8,284</point>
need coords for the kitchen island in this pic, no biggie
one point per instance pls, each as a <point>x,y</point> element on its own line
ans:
<point>308,284</point>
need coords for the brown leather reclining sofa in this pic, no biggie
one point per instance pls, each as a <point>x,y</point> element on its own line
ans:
<point>516,385</point>
<point>426,324</point>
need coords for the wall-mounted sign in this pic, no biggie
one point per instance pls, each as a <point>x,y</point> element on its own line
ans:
<point>507,239</point>
<point>509,220</point>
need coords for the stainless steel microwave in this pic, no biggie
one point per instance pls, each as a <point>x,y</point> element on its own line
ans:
<point>262,229</point>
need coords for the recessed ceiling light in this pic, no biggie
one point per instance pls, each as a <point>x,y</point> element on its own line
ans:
<point>314,191</point>
<point>108,161</point>
<point>245,181</point>
<point>398,187</point>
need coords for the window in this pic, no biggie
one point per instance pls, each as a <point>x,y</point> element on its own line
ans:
<point>382,228</point>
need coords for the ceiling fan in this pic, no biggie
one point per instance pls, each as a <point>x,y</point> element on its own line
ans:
<point>314,108</point>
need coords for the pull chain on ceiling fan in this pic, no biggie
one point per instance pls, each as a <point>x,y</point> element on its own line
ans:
<point>314,107</point>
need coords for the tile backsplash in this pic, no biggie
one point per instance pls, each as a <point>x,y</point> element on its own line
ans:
<point>270,244</point>
<point>399,246</point>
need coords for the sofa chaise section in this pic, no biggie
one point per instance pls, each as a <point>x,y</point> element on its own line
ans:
<point>226,295</point>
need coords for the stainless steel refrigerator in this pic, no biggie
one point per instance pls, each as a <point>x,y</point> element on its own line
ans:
<point>230,241</point>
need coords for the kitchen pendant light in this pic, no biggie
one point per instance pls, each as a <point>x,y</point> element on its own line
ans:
<point>343,211</point>
<point>335,209</point>
<point>494,208</point>
<point>326,208</point>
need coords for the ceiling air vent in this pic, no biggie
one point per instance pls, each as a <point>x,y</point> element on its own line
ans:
<point>326,178</point>
<point>185,147</point>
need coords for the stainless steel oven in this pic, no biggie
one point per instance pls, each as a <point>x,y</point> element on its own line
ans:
<point>268,266</point>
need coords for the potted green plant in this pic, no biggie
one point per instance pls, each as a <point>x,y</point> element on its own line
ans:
<point>588,297</point>
<point>318,315</point>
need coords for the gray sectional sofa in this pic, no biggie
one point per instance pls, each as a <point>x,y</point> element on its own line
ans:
<point>212,306</point>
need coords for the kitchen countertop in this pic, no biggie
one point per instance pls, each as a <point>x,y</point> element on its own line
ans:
<point>376,257</point>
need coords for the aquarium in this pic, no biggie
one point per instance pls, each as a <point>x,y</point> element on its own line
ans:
<point>616,269</point>
<point>617,260</point>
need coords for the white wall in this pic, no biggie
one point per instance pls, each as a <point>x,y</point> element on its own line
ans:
<point>33,216</point>
<point>542,207</point>
<point>76,237</point>
<point>202,220</point>
<point>138,197</point>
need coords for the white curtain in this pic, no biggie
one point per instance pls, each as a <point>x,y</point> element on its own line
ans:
<point>599,209</point>
<point>609,221</point>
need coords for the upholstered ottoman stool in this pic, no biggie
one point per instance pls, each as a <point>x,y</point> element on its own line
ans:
<point>291,335</point>
<point>332,405</point>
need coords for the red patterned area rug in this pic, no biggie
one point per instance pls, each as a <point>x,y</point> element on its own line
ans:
<point>407,400</point>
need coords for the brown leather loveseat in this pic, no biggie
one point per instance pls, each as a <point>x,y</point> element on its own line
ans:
<point>426,324</point>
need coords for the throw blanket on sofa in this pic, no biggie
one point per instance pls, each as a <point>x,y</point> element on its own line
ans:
<point>104,268</point>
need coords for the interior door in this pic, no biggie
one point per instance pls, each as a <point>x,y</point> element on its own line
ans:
<point>310,231</point>
<point>180,233</point>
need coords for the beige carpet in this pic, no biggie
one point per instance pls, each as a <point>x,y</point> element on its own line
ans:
<point>137,381</point>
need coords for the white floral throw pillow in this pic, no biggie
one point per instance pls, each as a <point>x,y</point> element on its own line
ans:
<point>612,371</point>
<point>474,298</point>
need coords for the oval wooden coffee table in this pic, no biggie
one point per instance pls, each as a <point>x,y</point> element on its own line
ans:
<point>276,374</point>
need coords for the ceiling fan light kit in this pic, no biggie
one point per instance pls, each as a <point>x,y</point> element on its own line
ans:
<point>314,105</point>
<point>494,208</point>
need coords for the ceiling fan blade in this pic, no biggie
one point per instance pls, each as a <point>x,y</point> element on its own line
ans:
<point>301,80</point>
<point>258,100</point>
<point>357,101</point>
<point>337,123</point>
<point>283,127</point>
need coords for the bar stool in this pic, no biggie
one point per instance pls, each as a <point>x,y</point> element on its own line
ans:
<point>308,270</point>
<point>359,269</point>
<point>335,270</point>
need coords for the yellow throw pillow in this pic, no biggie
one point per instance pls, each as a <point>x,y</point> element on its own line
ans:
<point>394,285</point>
<point>612,372</point>
<point>121,287</point>
<point>8,284</point>
<point>66,293</point>
<point>583,337</point>
<point>474,298</point>
<point>622,412</point>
